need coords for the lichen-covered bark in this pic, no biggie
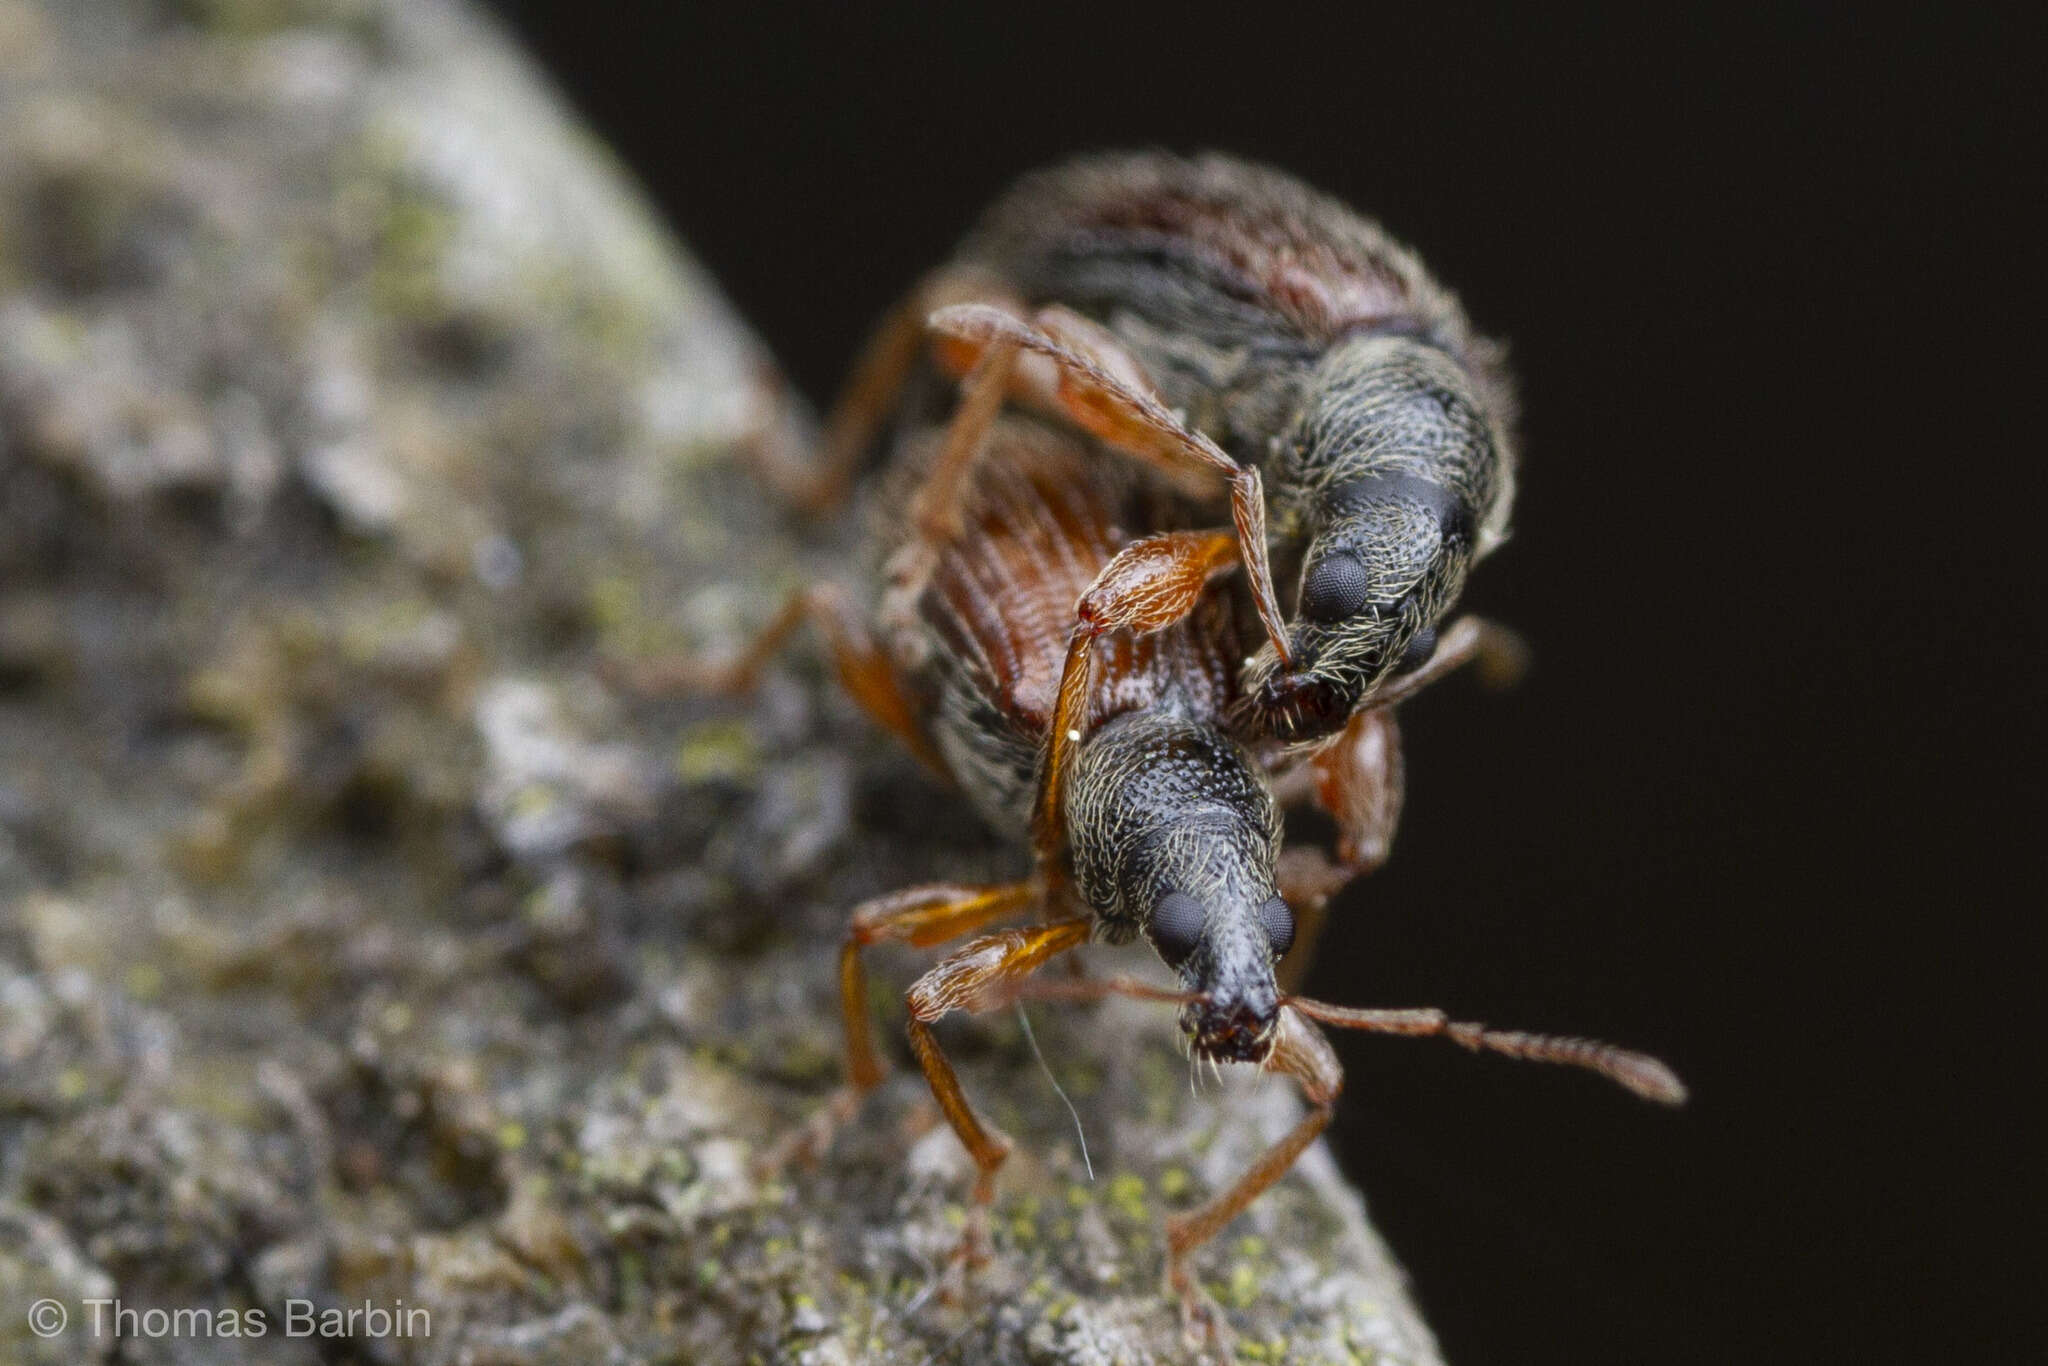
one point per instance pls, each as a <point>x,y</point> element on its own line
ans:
<point>359,941</point>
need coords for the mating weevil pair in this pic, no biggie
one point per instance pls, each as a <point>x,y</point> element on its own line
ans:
<point>1140,339</point>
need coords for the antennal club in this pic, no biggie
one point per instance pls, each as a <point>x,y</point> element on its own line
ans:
<point>1638,1072</point>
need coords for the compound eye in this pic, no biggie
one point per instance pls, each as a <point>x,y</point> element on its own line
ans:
<point>1177,926</point>
<point>1421,646</point>
<point>1334,588</point>
<point>1279,925</point>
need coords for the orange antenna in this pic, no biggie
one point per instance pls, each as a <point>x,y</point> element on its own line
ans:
<point>1638,1072</point>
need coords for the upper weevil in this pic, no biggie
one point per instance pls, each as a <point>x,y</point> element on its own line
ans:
<point>1226,324</point>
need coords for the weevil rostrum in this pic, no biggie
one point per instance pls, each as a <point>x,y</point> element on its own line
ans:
<point>1060,635</point>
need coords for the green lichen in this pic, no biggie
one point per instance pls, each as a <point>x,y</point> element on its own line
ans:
<point>717,750</point>
<point>1127,1197</point>
<point>414,228</point>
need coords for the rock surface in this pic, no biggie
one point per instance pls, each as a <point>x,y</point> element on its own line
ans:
<point>359,942</point>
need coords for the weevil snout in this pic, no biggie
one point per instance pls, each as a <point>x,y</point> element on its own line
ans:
<point>1234,1031</point>
<point>1226,954</point>
<point>1295,706</point>
<point>1344,650</point>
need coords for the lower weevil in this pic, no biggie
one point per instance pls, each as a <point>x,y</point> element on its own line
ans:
<point>1080,688</point>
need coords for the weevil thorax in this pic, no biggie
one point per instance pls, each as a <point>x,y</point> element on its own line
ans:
<point>1392,481</point>
<point>1174,834</point>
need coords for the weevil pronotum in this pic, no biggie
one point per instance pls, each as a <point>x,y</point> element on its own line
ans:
<point>1058,636</point>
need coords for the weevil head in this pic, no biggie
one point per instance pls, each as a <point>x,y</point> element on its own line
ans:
<point>1174,834</point>
<point>1395,480</point>
<point>1373,587</point>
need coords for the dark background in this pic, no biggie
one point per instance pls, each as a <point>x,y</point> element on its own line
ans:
<point>1759,807</point>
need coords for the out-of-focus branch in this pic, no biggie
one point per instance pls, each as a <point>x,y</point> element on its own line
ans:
<point>359,941</point>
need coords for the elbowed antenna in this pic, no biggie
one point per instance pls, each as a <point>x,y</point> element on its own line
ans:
<point>1638,1072</point>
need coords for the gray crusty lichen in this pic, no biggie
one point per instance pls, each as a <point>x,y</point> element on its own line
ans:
<point>359,942</point>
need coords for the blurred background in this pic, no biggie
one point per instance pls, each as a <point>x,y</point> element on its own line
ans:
<point>1757,807</point>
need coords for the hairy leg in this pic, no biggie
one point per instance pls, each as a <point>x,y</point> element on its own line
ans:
<point>884,364</point>
<point>1100,388</point>
<point>865,671</point>
<point>936,513</point>
<point>918,916</point>
<point>979,977</point>
<point>1300,1051</point>
<point>1358,780</point>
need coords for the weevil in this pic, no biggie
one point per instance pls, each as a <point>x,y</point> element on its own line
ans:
<point>1052,639</point>
<point>1230,326</point>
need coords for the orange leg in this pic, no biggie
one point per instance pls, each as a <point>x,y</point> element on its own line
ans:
<point>1150,584</point>
<point>921,917</point>
<point>1088,989</point>
<point>863,669</point>
<point>1097,385</point>
<point>1357,778</point>
<point>918,916</point>
<point>866,673</point>
<point>879,373</point>
<point>1360,782</point>
<point>936,512</point>
<point>1301,1051</point>
<point>980,976</point>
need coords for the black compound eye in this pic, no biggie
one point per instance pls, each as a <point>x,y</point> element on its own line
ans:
<point>1177,926</point>
<point>1279,925</point>
<point>1334,588</point>
<point>1420,647</point>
